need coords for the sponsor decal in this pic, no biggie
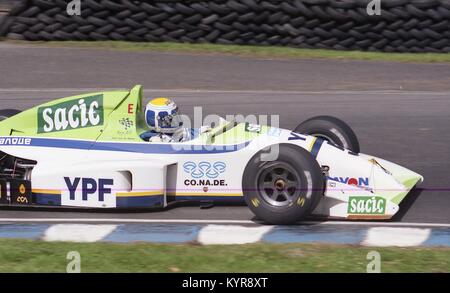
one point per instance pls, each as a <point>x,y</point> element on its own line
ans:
<point>127,123</point>
<point>22,199</point>
<point>204,173</point>
<point>301,201</point>
<point>255,202</point>
<point>22,189</point>
<point>130,108</point>
<point>274,132</point>
<point>75,114</point>
<point>204,169</point>
<point>89,186</point>
<point>19,192</point>
<point>15,141</point>
<point>125,132</point>
<point>296,136</point>
<point>366,205</point>
<point>252,127</point>
<point>360,181</point>
<point>205,182</point>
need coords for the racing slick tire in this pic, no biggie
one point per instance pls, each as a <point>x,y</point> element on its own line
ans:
<point>285,190</point>
<point>6,113</point>
<point>330,129</point>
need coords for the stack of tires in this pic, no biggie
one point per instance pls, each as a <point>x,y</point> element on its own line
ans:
<point>403,26</point>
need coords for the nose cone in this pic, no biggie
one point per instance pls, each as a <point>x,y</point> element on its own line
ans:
<point>409,184</point>
<point>405,180</point>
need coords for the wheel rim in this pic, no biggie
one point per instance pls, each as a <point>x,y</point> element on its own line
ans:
<point>279,184</point>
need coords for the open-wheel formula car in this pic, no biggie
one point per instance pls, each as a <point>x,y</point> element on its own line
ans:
<point>86,151</point>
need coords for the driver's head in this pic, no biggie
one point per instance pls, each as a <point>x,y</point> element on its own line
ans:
<point>161,115</point>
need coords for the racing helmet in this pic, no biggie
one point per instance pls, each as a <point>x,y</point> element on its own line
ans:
<point>161,115</point>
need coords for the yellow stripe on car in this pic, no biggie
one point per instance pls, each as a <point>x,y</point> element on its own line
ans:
<point>139,193</point>
<point>47,191</point>
<point>313,141</point>
<point>204,194</point>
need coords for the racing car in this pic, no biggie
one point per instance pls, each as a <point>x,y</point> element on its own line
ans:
<point>85,151</point>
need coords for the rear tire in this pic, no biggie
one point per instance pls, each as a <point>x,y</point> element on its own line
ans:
<point>7,113</point>
<point>330,129</point>
<point>283,191</point>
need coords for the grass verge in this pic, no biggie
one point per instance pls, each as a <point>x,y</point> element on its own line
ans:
<point>251,51</point>
<point>39,256</point>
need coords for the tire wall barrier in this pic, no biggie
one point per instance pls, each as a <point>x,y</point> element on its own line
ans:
<point>402,26</point>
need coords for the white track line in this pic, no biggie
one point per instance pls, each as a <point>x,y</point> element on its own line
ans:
<point>197,221</point>
<point>388,236</point>
<point>158,221</point>
<point>388,224</point>
<point>231,234</point>
<point>343,92</point>
<point>78,232</point>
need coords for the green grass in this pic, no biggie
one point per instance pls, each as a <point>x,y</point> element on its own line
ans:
<point>251,51</point>
<point>39,256</point>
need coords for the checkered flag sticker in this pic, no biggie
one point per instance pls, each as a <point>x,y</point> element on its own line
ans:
<point>126,122</point>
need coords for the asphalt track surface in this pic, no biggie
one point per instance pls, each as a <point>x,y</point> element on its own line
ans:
<point>399,111</point>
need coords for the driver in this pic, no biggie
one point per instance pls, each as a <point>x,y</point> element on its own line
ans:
<point>165,124</point>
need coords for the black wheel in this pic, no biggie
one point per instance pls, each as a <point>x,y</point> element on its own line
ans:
<point>6,113</point>
<point>283,191</point>
<point>330,129</point>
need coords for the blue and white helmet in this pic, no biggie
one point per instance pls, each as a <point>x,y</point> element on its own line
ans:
<point>161,115</point>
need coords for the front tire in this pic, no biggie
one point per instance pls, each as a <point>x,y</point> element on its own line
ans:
<point>283,191</point>
<point>330,129</point>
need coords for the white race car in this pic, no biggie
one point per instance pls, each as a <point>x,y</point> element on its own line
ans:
<point>86,151</point>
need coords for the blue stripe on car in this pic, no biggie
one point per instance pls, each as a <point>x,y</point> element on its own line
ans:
<point>316,147</point>
<point>235,199</point>
<point>146,148</point>
<point>140,201</point>
<point>48,199</point>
